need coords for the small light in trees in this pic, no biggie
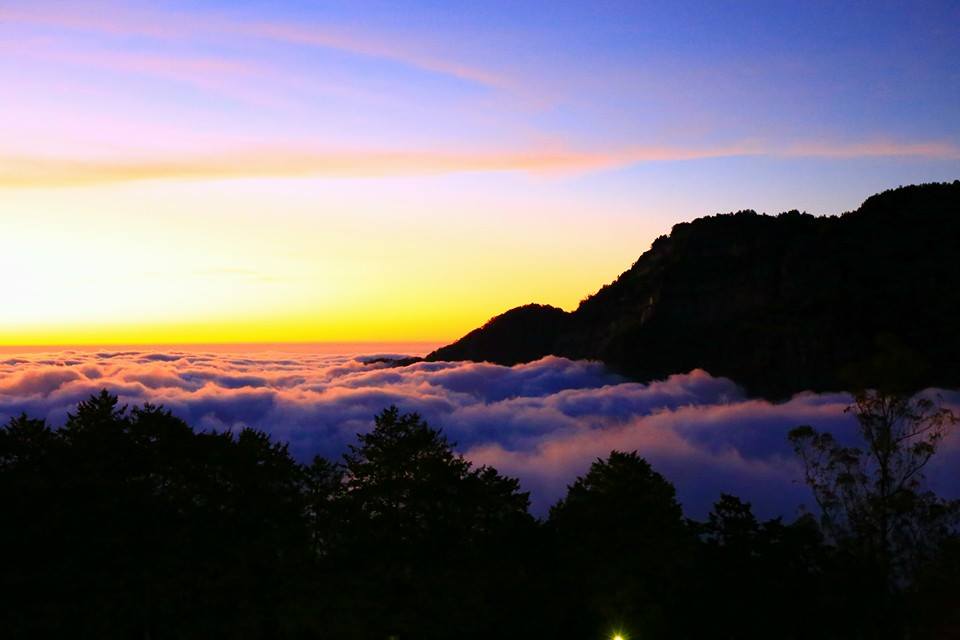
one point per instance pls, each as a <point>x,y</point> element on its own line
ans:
<point>618,636</point>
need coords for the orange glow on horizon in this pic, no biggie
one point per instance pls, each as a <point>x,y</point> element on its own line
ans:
<point>411,348</point>
<point>337,261</point>
<point>179,172</point>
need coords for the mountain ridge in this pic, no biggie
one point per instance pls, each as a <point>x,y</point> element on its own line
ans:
<point>779,303</point>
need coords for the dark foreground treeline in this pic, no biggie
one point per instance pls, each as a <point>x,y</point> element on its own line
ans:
<point>129,524</point>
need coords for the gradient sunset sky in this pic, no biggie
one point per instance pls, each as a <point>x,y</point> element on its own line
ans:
<point>311,171</point>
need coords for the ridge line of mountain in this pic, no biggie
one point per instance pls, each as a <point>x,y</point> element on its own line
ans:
<point>780,304</point>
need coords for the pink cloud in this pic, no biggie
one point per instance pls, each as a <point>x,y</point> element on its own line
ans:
<point>47,171</point>
<point>118,21</point>
<point>543,421</point>
<point>41,380</point>
<point>19,170</point>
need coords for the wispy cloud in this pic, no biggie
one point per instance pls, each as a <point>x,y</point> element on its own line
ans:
<point>232,78</point>
<point>169,27</point>
<point>17,170</point>
<point>32,171</point>
<point>874,149</point>
<point>362,44</point>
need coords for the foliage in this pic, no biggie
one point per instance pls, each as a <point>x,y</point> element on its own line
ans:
<point>623,543</point>
<point>428,539</point>
<point>127,522</point>
<point>130,523</point>
<point>873,496</point>
<point>889,530</point>
<point>752,574</point>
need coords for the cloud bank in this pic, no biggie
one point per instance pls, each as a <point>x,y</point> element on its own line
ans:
<point>543,422</point>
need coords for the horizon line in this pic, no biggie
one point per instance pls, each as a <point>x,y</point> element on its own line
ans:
<point>8,348</point>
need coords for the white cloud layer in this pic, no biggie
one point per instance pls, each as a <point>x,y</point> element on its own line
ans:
<point>543,422</point>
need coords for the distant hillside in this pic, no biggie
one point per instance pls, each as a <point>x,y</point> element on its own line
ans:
<point>778,303</point>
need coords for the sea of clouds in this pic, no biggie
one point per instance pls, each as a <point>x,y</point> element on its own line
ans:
<point>543,422</point>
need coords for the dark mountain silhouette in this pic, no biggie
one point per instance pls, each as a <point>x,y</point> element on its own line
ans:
<point>779,303</point>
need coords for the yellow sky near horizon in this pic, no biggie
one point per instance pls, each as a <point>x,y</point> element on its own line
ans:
<point>261,172</point>
<point>200,262</point>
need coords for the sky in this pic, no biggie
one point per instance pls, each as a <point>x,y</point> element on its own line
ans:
<point>175,172</point>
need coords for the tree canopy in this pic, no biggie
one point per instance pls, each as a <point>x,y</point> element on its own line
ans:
<point>127,522</point>
<point>872,499</point>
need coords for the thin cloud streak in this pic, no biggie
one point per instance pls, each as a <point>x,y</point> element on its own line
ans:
<point>169,28</point>
<point>366,46</point>
<point>27,171</point>
<point>32,171</point>
<point>875,149</point>
<point>239,79</point>
<point>232,79</point>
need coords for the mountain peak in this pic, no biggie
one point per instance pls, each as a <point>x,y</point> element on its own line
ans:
<point>779,303</point>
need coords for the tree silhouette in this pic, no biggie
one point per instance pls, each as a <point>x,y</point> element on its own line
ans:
<point>874,495</point>
<point>132,524</point>
<point>425,527</point>
<point>323,489</point>
<point>751,575</point>
<point>872,500</point>
<point>624,546</point>
<point>126,522</point>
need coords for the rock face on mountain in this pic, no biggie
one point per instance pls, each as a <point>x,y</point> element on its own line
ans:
<point>780,304</point>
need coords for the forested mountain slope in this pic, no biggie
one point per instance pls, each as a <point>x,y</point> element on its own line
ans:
<point>778,303</point>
